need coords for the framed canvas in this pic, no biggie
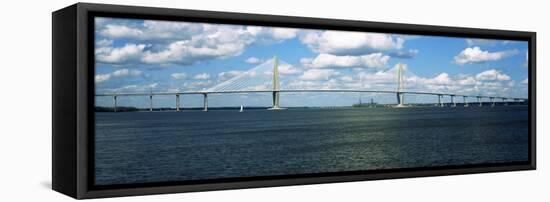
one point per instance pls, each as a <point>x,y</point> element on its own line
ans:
<point>157,100</point>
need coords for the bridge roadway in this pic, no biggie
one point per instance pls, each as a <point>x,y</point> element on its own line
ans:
<point>275,94</point>
<point>304,90</point>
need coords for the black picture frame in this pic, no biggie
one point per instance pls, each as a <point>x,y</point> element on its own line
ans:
<point>73,99</point>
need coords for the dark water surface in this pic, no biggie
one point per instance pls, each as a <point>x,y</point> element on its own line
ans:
<point>140,147</point>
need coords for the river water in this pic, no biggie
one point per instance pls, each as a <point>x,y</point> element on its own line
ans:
<point>142,147</point>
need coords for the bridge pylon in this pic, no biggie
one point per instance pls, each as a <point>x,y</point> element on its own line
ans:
<point>276,85</point>
<point>400,88</point>
<point>205,102</point>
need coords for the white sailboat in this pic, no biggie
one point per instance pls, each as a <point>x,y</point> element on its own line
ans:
<point>242,109</point>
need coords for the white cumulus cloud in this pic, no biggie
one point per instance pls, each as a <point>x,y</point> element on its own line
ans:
<point>405,54</point>
<point>177,76</point>
<point>126,53</point>
<point>288,69</point>
<point>350,43</point>
<point>120,31</point>
<point>126,72</point>
<point>323,60</point>
<point>179,43</point>
<point>476,55</point>
<point>99,78</point>
<point>102,78</point>
<point>492,75</point>
<point>271,34</point>
<point>253,60</point>
<point>189,52</point>
<point>149,30</point>
<point>104,42</point>
<point>202,76</point>
<point>222,76</point>
<point>284,33</point>
<point>318,74</point>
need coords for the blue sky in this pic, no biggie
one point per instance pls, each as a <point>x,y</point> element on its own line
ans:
<point>163,56</point>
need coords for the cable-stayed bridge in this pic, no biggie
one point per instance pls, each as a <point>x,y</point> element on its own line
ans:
<point>275,77</point>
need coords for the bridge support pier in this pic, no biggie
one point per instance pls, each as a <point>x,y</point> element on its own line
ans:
<point>453,103</point>
<point>205,102</point>
<point>465,101</point>
<point>276,105</point>
<point>492,99</point>
<point>150,103</point>
<point>177,102</point>
<point>114,99</point>
<point>479,101</point>
<point>400,100</point>
<point>439,103</point>
<point>505,101</point>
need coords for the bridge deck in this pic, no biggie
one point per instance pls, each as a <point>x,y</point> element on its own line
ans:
<point>304,90</point>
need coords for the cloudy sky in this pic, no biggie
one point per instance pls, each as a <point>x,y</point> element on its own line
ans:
<point>161,56</point>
